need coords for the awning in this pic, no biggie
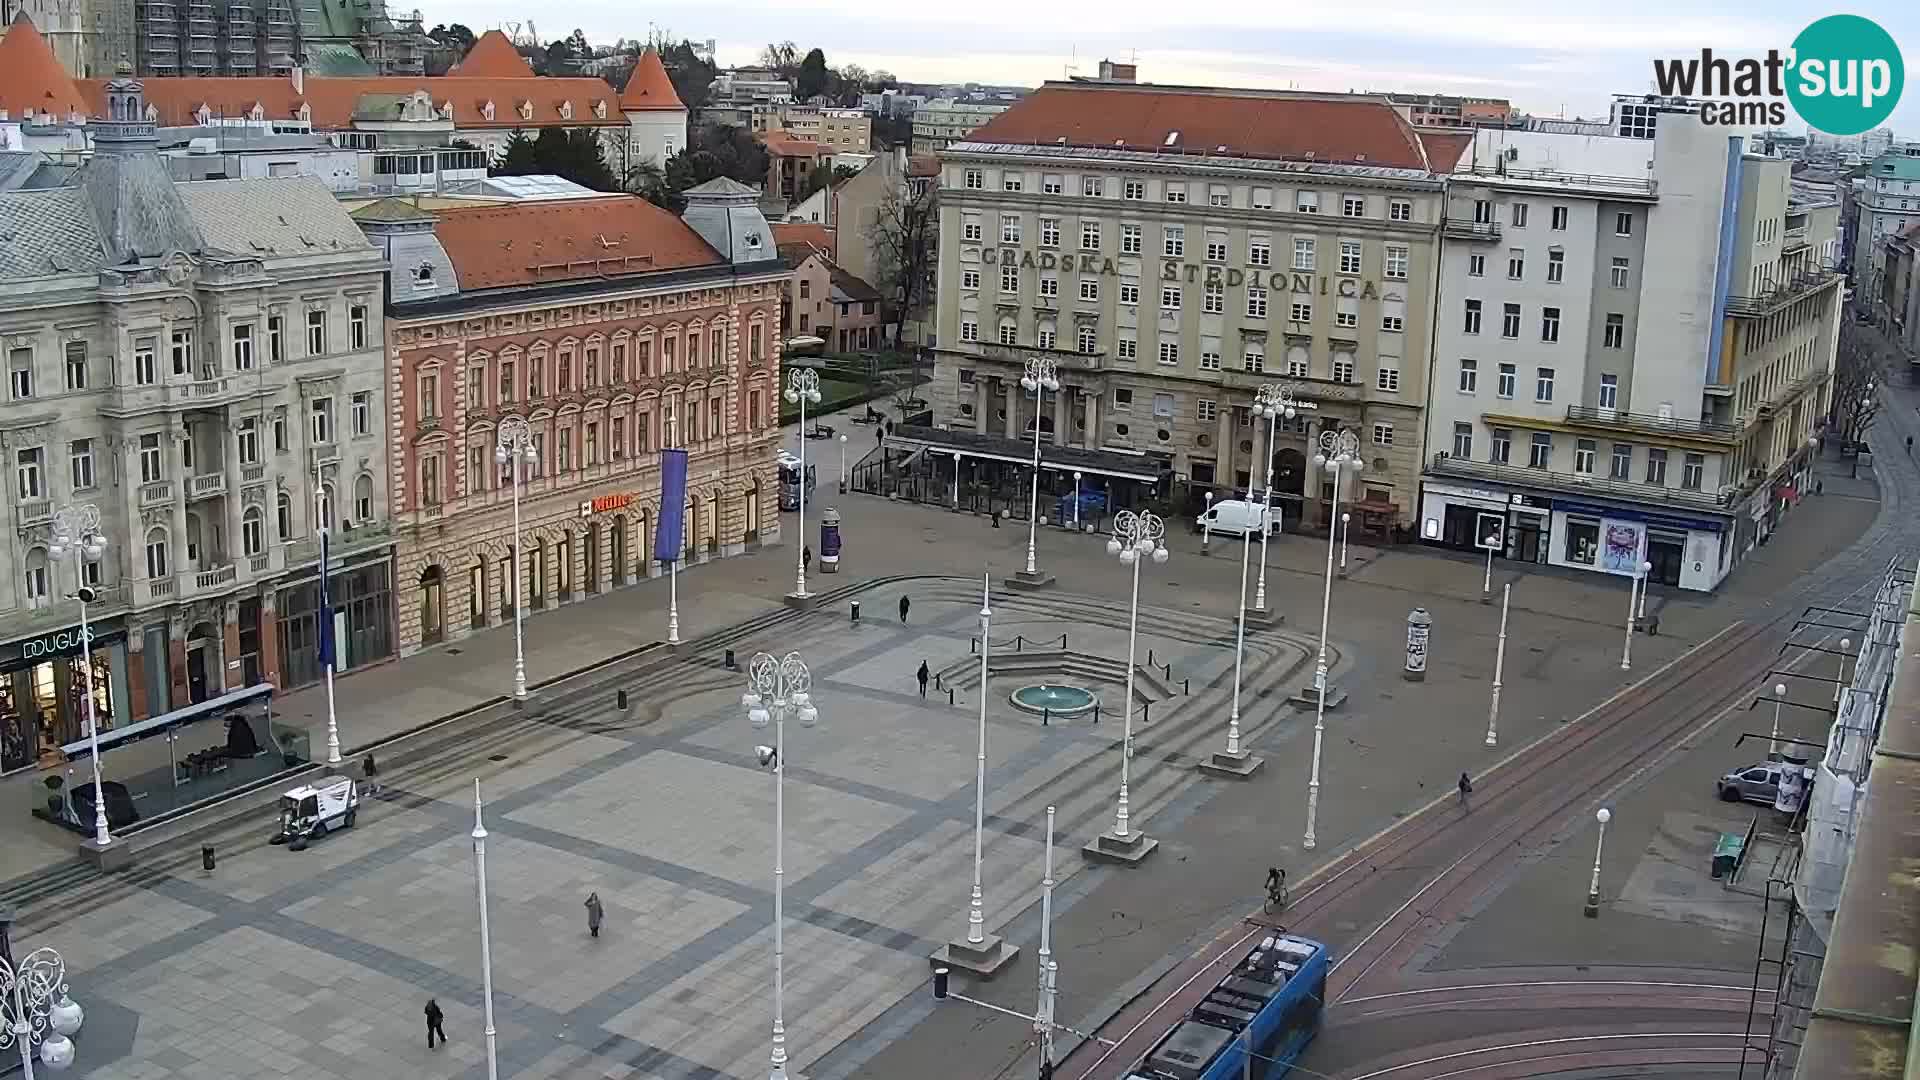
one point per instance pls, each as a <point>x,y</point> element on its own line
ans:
<point>252,695</point>
<point>1112,463</point>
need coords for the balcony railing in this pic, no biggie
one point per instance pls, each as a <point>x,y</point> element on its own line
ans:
<point>1614,419</point>
<point>215,577</point>
<point>1445,464</point>
<point>253,474</point>
<point>1463,229</point>
<point>1618,185</point>
<point>1800,285</point>
<point>36,512</point>
<point>156,494</point>
<point>209,484</point>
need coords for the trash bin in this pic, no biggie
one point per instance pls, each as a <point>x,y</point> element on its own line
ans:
<point>729,659</point>
<point>206,857</point>
<point>854,612</point>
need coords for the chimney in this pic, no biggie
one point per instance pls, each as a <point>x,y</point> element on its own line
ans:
<point>299,77</point>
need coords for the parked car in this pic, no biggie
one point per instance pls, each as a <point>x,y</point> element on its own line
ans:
<point>1236,517</point>
<point>1758,783</point>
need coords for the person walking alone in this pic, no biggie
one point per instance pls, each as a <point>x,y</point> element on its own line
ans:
<point>905,606</point>
<point>924,676</point>
<point>1466,789</point>
<point>435,1018</point>
<point>595,913</point>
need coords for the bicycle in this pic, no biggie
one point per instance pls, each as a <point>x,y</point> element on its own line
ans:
<point>1276,892</point>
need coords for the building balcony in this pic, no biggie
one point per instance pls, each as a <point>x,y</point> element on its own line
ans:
<point>37,512</point>
<point>207,485</point>
<point>159,494</point>
<point>197,394</point>
<point>341,543</point>
<point>1499,174</point>
<point>1612,420</point>
<point>1580,484</point>
<point>1462,229</point>
<point>1799,287</point>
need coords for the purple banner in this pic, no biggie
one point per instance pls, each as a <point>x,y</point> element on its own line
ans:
<point>669,541</point>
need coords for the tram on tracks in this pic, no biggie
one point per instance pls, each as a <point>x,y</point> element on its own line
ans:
<point>1268,1008</point>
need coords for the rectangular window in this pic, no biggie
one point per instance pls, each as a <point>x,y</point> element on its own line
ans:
<point>1009,228</point>
<point>1127,349</point>
<point>1509,378</point>
<point>27,473</point>
<point>1353,206</point>
<point>1012,181</point>
<point>320,421</point>
<point>1262,198</point>
<point>316,333</point>
<point>1089,288</point>
<point>1383,434</point>
<point>1169,352</point>
<point>1583,454</point>
<point>1609,391</point>
<point>1206,411</point>
<point>276,339</point>
<point>76,365</point>
<point>1349,257</point>
<point>1130,237</point>
<point>1387,378</point>
<point>1399,210</point>
<point>1516,264</point>
<point>80,462</point>
<point>1473,317</point>
<point>1307,202</point>
<point>1175,241</point>
<point>152,465</point>
<point>1259,252</point>
<point>1550,324</point>
<point>1009,278</point>
<point>1253,360</point>
<point>145,368</point>
<point>1346,312</point>
<point>969,280</point>
<point>1469,376</point>
<point>1476,266</point>
<point>1176,193</point>
<point>280,441</point>
<point>1170,297</point>
<point>1044,337</point>
<point>1214,299</point>
<point>1693,469</point>
<point>1543,385</point>
<point>1301,312</point>
<point>1052,185</point>
<point>362,407</point>
<point>1510,321</point>
<point>1500,446</point>
<point>1393,320</point>
<point>1540,453</point>
<point>1462,440</point>
<point>1342,369</point>
<point>1621,273</point>
<point>357,326</point>
<point>183,352</point>
<point>536,369</point>
<point>247,437</point>
<point>1049,286</point>
<point>973,180</point>
<point>1622,467</point>
<point>970,231</point>
<point>1009,333</point>
<point>1519,215</point>
<point>1397,255</point>
<point>1560,218</point>
<point>1657,466</point>
<point>1297,369</point>
<point>20,373</point>
<point>1049,232</point>
<point>969,330</point>
<point>1092,187</point>
<point>1614,335</point>
<point>1209,361</point>
<point>1482,212</point>
<point>1556,267</point>
<point>1218,195</point>
<point>1136,190</point>
<point>1256,302</point>
<point>1129,293</point>
<point>1303,253</point>
<point>1122,399</point>
<point>1089,236</point>
<point>1623,224</point>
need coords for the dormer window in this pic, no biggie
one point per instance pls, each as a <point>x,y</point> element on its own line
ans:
<point>486,110</point>
<point>600,109</point>
<point>446,110</point>
<point>753,239</point>
<point>566,110</point>
<point>423,276</point>
<point>153,113</point>
<point>202,115</point>
<point>526,110</point>
<point>257,113</point>
<point>305,113</point>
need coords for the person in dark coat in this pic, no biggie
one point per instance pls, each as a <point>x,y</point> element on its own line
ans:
<point>924,676</point>
<point>905,606</point>
<point>806,557</point>
<point>371,770</point>
<point>435,1018</point>
<point>595,913</point>
<point>1466,790</point>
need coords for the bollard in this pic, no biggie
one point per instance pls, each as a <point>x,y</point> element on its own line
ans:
<point>620,696</point>
<point>1096,710</point>
<point>973,645</point>
<point>1019,643</point>
<point>728,660</point>
<point>1186,686</point>
<point>949,695</point>
<point>1046,717</point>
<point>853,612</point>
<point>206,857</point>
<point>936,681</point>
<point>1146,712</point>
<point>1150,662</point>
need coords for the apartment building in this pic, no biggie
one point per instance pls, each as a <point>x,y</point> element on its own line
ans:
<point>941,122</point>
<point>1174,249</point>
<point>843,131</point>
<point>666,337</point>
<point>201,364</point>
<point>1632,354</point>
<point>1886,204</point>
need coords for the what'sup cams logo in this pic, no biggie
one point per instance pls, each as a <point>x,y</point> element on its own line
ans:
<point>1843,76</point>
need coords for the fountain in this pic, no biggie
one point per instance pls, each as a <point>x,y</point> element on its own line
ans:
<point>1057,700</point>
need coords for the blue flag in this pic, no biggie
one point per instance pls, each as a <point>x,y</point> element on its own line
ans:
<point>326,606</point>
<point>669,540</point>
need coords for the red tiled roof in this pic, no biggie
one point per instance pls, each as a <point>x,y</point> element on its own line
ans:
<point>1444,148</point>
<point>649,88</point>
<point>31,77</point>
<point>493,57</point>
<point>525,243</point>
<point>1248,123</point>
<point>803,232</point>
<point>332,101</point>
<point>784,144</point>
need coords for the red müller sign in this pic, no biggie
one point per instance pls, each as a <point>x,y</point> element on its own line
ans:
<point>605,503</point>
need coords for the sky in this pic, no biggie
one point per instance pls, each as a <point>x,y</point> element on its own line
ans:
<point>1544,57</point>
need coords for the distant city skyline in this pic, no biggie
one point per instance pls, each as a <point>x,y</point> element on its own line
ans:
<point>1545,61</point>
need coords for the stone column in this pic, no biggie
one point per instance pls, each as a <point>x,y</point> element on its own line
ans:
<point>982,423</point>
<point>177,542</point>
<point>230,455</point>
<point>1093,422</point>
<point>269,638</point>
<point>1224,438</point>
<point>1060,417</point>
<point>1013,408</point>
<point>139,708</point>
<point>231,676</point>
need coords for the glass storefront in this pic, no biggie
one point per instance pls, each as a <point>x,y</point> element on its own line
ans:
<point>362,599</point>
<point>43,696</point>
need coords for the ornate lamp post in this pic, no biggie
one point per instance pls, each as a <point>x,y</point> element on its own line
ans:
<point>775,688</point>
<point>1779,696</point>
<point>843,463</point>
<point>803,387</point>
<point>1136,535</point>
<point>76,532</point>
<point>1633,588</point>
<point>1499,668</point>
<point>1041,376</point>
<point>513,446</point>
<point>329,648</point>
<point>1592,908</point>
<point>35,1008</point>
<point>486,935</point>
<point>1275,401</point>
<point>1340,452</point>
<point>979,952</point>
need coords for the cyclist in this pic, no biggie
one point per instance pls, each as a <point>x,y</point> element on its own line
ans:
<point>1276,887</point>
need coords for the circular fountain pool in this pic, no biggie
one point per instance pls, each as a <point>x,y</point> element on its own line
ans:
<point>1058,700</point>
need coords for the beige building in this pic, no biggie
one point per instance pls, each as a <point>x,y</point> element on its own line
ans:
<point>844,131</point>
<point>942,122</point>
<point>1174,249</point>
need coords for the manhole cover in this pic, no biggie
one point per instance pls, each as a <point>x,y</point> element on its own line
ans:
<point>453,652</point>
<point>496,757</point>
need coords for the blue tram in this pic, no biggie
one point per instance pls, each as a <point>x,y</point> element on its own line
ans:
<point>1270,1003</point>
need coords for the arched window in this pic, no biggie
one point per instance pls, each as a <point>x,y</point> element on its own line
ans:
<point>363,499</point>
<point>253,529</point>
<point>283,515</point>
<point>157,561</point>
<point>37,575</point>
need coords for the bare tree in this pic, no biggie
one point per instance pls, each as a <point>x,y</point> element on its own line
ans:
<point>1859,372</point>
<point>903,240</point>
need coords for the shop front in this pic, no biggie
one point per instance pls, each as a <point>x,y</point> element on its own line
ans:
<point>361,597</point>
<point>1686,553</point>
<point>1462,518</point>
<point>43,704</point>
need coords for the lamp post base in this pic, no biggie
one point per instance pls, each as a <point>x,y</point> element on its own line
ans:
<point>1592,910</point>
<point>1308,698</point>
<point>117,854</point>
<point>1038,579</point>
<point>1227,766</point>
<point>1108,848</point>
<point>1264,618</point>
<point>984,960</point>
<point>802,601</point>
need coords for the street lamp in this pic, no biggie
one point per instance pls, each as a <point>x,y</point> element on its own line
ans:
<point>803,386</point>
<point>1779,696</point>
<point>1273,401</point>
<point>486,935</point>
<point>1344,519</point>
<point>1339,451</point>
<point>774,688</point>
<point>1492,544</point>
<point>843,462</point>
<point>329,648</point>
<point>1206,526</point>
<point>1840,682</point>
<point>1592,910</point>
<point>76,530</point>
<point>1136,535</point>
<point>1076,500</point>
<point>979,952</point>
<point>1499,668</point>
<point>513,446</point>
<point>1639,577</point>
<point>35,1008</point>
<point>1041,376</point>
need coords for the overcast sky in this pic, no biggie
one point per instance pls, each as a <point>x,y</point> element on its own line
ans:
<point>1543,57</point>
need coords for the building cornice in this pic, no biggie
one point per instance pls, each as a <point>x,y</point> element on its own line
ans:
<point>1194,164</point>
<point>548,294</point>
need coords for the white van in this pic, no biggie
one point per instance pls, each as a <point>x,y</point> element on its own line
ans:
<point>1235,517</point>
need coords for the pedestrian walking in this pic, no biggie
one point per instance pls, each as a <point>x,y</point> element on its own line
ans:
<point>905,606</point>
<point>595,913</point>
<point>924,676</point>
<point>806,557</point>
<point>1466,789</point>
<point>435,1018</point>
<point>371,770</point>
